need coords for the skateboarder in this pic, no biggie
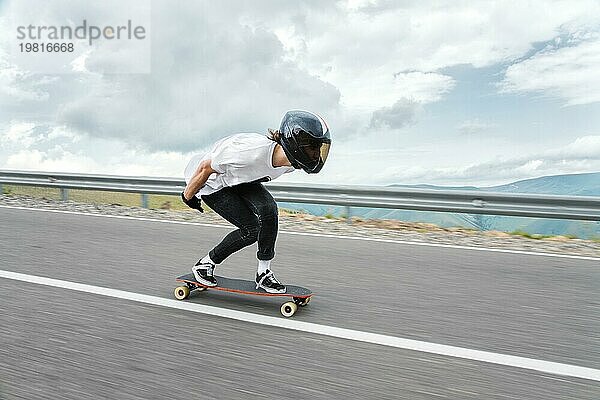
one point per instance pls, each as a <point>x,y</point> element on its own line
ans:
<point>228,178</point>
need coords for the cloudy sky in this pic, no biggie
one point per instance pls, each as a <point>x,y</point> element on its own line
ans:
<point>447,93</point>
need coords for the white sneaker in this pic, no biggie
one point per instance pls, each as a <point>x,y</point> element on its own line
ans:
<point>269,283</point>
<point>204,274</point>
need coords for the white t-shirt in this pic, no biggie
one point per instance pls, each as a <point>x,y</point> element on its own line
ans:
<point>240,158</point>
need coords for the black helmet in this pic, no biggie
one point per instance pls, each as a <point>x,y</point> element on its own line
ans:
<point>305,139</point>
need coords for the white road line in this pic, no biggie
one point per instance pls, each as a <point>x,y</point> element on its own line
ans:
<point>407,242</point>
<point>384,340</point>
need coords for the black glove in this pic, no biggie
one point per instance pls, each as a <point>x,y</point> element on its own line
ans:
<point>194,202</point>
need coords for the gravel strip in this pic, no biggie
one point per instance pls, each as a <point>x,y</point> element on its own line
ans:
<point>381,229</point>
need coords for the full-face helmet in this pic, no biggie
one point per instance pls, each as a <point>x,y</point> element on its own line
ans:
<point>305,139</point>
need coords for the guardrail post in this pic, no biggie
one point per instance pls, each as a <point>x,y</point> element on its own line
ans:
<point>64,194</point>
<point>349,215</point>
<point>144,200</point>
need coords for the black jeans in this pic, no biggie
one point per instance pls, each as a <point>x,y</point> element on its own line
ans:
<point>251,208</point>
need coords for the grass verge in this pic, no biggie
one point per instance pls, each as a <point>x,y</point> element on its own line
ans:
<point>155,201</point>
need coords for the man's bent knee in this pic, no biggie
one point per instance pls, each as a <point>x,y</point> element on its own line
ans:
<point>267,214</point>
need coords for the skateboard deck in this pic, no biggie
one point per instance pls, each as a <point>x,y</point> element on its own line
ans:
<point>301,296</point>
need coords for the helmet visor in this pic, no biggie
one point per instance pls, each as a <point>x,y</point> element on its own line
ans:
<point>325,151</point>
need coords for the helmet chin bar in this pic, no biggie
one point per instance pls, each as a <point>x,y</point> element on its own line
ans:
<point>316,169</point>
<point>312,170</point>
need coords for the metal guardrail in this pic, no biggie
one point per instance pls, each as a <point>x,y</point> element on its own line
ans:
<point>465,201</point>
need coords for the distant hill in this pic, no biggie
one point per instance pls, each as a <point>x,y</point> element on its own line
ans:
<point>575,184</point>
<point>423,186</point>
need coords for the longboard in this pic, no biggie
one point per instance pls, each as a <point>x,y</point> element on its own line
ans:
<point>300,296</point>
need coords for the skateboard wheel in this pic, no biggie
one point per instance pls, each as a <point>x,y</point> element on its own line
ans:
<point>288,309</point>
<point>302,301</point>
<point>181,292</point>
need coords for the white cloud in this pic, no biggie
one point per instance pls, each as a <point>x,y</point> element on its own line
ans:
<point>209,79</point>
<point>57,132</point>
<point>78,64</point>
<point>423,87</point>
<point>361,44</point>
<point>583,148</point>
<point>581,155</point>
<point>33,159</point>
<point>473,126</point>
<point>19,87</point>
<point>54,153</point>
<point>569,73</point>
<point>481,163</point>
<point>19,134</point>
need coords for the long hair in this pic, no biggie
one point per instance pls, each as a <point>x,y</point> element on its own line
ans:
<point>274,135</point>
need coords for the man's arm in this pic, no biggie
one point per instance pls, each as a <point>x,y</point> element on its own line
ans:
<point>200,177</point>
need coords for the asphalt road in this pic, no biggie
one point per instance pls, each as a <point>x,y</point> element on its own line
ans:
<point>56,343</point>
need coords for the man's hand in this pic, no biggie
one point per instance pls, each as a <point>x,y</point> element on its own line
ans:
<point>194,202</point>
